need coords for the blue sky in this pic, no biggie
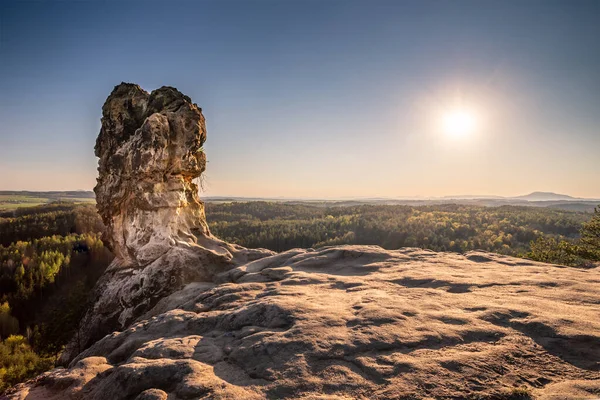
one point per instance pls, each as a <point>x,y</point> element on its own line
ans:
<point>321,99</point>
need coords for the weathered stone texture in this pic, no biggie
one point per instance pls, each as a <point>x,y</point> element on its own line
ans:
<point>150,152</point>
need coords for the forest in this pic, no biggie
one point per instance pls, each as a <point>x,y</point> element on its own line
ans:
<point>448,227</point>
<point>50,258</point>
<point>52,255</point>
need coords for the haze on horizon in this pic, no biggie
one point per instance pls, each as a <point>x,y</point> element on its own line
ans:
<point>314,99</point>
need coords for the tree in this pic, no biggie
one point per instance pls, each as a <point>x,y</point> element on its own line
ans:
<point>19,362</point>
<point>550,250</point>
<point>9,325</point>
<point>589,244</point>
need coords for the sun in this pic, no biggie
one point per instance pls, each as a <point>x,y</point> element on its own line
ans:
<point>459,122</point>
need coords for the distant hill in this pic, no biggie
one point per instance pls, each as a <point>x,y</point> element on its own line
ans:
<point>10,200</point>
<point>471,197</point>
<point>546,196</point>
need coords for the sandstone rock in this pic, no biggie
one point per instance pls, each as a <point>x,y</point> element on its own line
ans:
<point>152,394</point>
<point>357,322</point>
<point>150,152</point>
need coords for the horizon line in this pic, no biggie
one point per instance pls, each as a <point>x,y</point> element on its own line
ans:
<point>349,198</point>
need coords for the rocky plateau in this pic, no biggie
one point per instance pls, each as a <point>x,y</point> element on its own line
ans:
<point>181,314</point>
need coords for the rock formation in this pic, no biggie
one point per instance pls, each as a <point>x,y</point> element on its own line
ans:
<point>150,151</point>
<point>197,318</point>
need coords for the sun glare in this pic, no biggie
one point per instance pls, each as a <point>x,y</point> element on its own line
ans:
<point>459,123</point>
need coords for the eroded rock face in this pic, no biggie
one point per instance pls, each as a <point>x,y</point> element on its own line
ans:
<point>150,152</point>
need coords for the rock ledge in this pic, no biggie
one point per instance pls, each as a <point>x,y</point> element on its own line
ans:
<point>354,322</point>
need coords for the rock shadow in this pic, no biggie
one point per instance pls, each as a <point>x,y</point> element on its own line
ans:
<point>430,283</point>
<point>581,351</point>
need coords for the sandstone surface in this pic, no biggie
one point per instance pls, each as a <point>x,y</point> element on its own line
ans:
<point>355,322</point>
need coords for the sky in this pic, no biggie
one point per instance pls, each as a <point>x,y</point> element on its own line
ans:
<point>316,99</point>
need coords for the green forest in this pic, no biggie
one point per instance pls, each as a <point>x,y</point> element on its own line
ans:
<point>513,230</point>
<point>52,255</point>
<point>50,258</point>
